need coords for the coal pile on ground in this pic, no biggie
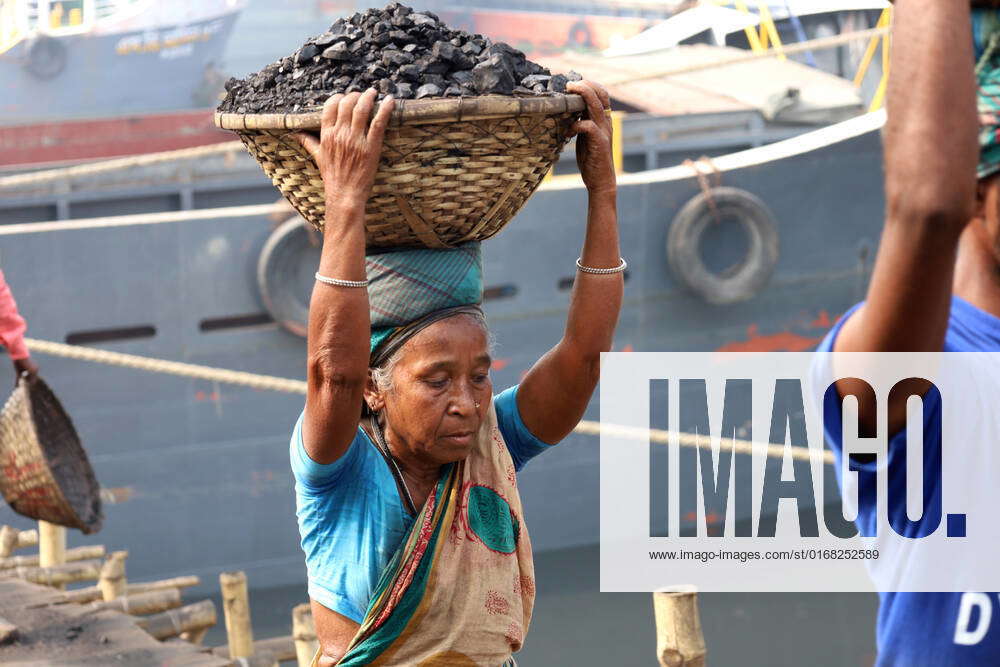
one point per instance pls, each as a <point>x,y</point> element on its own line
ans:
<point>402,52</point>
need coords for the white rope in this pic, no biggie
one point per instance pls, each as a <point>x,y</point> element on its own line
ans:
<point>36,177</point>
<point>181,369</point>
<point>273,383</point>
<point>141,219</point>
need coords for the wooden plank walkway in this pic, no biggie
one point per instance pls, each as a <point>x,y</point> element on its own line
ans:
<point>71,634</point>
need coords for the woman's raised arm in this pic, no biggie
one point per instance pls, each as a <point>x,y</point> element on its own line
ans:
<point>347,154</point>
<point>554,394</point>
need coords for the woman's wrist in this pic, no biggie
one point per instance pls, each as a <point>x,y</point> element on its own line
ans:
<point>343,215</point>
<point>605,194</point>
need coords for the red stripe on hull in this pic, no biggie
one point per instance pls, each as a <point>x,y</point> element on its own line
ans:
<point>90,139</point>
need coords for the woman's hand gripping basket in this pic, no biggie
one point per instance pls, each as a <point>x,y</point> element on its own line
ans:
<point>44,471</point>
<point>452,169</point>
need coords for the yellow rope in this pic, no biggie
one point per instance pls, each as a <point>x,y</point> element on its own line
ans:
<point>273,383</point>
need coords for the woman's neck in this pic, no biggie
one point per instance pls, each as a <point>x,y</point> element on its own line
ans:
<point>977,271</point>
<point>419,474</point>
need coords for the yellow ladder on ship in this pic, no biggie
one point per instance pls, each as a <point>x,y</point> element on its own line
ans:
<point>884,21</point>
<point>11,29</point>
<point>768,32</point>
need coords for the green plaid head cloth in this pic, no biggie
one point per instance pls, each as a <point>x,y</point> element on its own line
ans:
<point>986,36</point>
<point>410,284</point>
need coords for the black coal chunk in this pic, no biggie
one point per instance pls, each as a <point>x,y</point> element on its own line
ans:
<point>557,84</point>
<point>337,52</point>
<point>428,90</point>
<point>398,51</point>
<point>307,53</point>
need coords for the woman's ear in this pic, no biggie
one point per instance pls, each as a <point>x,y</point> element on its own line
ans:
<point>982,190</point>
<point>374,398</point>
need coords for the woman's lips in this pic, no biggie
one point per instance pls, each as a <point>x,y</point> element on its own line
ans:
<point>462,438</point>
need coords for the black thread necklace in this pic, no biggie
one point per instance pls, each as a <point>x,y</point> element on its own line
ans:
<point>383,448</point>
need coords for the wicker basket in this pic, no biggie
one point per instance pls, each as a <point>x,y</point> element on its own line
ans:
<point>44,472</point>
<point>452,169</point>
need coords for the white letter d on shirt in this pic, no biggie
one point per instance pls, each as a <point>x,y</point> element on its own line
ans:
<point>965,635</point>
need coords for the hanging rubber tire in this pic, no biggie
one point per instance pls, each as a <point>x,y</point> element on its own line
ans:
<point>46,57</point>
<point>741,281</point>
<point>579,35</point>
<point>285,270</point>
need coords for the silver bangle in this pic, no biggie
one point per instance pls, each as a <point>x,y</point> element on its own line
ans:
<point>341,283</point>
<point>589,269</point>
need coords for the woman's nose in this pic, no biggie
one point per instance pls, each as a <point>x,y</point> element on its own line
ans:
<point>464,399</point>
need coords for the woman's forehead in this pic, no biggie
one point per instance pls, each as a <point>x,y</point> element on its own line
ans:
<point>451,338</point>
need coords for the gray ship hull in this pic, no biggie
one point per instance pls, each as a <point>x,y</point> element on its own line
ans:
<point>207,464</point>
<point>163,69</point>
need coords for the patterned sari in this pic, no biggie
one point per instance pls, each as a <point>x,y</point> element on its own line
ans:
<point>460,588</point>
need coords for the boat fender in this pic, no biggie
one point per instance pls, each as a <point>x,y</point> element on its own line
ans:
<point>285,270</point>
<point>746,278</point>
<point>46,57</point>
<point>579,35</point>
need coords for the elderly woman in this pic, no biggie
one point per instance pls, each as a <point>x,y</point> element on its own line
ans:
<point>405,461</point>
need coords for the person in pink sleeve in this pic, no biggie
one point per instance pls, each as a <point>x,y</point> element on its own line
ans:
<point>12,328</point>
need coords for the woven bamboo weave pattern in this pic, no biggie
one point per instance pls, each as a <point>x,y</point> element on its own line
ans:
<point>441,181</point>
<point>44,472</point>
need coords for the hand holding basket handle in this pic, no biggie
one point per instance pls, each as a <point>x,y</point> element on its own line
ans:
<point>347,151</point>
<point>593,145</point>
<point>25,367</point>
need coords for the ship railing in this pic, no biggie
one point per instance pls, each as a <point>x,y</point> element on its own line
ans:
<point>49,17</point>
<point>884,22</point>
<point>13,23</point>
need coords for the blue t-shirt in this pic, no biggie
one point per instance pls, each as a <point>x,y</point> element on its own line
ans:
<point>930,629</point>
<point>352,519</point>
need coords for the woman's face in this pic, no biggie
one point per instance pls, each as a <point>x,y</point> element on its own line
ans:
<point>441,376</point>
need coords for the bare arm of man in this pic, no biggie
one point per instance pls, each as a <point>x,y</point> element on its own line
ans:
<point>347,154</point>
<point>554,394</point>
<point>931,151</point>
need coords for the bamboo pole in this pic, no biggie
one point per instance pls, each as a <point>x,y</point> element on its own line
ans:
<point>112,579</point>
<point>195,637</point>
<point>679,639</point>
<point>176,582</point>
<point>142,603</point>
<point>260,660</point>
<point>278,648</point>
<point>236,606</point>
<point>304,634</point>
<point>8,631</point>
<point>174,622</point>
<point>72,555</point>
<point>92,593</point>
<point>59,575</point>
<point>12,538</point>
<point>181,642</point>
<point>51,546</point>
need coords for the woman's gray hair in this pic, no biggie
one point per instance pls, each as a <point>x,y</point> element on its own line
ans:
<point>382,375</point>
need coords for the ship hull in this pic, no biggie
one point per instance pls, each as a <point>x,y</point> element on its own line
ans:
<point>202,468</point>
<point>157,70</point>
